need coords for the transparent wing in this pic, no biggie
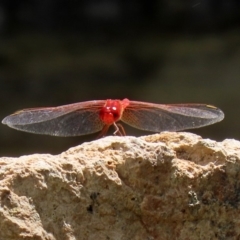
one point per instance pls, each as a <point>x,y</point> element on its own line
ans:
<point>176,117</point>
<point>68,120</point>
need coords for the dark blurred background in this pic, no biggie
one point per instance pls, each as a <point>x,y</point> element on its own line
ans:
<point>55,52</point>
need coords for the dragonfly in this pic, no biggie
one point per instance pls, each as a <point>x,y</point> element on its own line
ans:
<point>97,116</point>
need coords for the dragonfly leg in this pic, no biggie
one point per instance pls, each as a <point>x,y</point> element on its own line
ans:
<point>103,132</point>
<point>119,130</point>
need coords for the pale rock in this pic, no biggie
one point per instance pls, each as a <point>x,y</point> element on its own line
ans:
<point>163,186</point>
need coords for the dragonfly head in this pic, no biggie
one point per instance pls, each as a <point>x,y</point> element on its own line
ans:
<point>111,112</point>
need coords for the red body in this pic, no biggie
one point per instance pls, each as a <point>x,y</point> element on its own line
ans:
<point>112,110</point>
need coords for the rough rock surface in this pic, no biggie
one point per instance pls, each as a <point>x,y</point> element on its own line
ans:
<point>163,186</point>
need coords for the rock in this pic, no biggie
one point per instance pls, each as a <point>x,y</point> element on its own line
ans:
<point>163,186</point>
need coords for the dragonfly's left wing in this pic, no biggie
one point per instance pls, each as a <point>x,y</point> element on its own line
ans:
<point>67,120</point>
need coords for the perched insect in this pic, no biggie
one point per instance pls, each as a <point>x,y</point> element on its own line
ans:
<point>94,116</point>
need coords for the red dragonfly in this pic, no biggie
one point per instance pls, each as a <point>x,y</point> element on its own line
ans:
<point>94,116</point>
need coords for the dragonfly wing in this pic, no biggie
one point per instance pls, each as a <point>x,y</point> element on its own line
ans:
<point>69,120</point>
<point>157,117</point>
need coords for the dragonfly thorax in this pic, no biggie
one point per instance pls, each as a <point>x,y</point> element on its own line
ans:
<point>111,112</point>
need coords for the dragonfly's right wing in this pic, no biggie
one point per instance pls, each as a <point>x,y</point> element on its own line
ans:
<point>171,117</point>
<point>68,120</point>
